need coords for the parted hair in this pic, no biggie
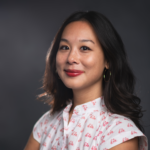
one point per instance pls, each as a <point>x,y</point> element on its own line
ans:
<point>118,92</point>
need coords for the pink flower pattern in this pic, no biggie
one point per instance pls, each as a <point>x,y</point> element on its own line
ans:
<point>91,127</point>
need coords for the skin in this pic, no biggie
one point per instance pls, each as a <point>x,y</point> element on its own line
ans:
<point>81,55</point>
<point>74,53</point>
<point>32,144</point>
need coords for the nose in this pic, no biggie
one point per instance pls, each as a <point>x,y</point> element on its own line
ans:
<point>73,56</point>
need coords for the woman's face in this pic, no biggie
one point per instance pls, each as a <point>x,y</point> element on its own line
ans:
<point>79,49</point>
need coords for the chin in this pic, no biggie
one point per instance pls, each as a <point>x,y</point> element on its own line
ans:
<point>73,85</point>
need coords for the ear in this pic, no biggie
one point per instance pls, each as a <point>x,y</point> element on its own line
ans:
<point>106,65</point>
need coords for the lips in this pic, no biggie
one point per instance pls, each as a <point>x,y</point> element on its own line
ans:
<point>73,73</point>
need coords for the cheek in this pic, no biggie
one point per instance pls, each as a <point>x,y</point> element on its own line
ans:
<point>94,61</point>
<point>89,62</point>
<point>59,60</point>
<point>94,64</point>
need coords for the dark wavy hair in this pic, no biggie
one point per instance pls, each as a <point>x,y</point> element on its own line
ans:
<point>118,92</point>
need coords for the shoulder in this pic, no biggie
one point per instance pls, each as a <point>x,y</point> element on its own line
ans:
<point>119,125</point>
<point>120,129</point>
<point>41,124</point>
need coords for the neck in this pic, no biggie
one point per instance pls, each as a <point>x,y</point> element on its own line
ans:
<point>85,95</point>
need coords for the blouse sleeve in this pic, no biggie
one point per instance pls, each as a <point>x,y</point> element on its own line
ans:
<point>39,126</point>
<point>122,129</point>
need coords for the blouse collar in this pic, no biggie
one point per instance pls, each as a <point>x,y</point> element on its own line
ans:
<point>94,105</point>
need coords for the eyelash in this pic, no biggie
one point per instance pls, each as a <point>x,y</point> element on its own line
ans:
<point>82,46</point>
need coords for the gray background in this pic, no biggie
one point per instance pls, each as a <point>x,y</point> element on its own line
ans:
<point>26,31</point>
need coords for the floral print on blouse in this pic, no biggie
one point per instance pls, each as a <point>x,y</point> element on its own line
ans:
<point>91,127</point>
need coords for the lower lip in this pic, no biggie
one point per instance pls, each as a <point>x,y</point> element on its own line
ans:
<point>71,74</point>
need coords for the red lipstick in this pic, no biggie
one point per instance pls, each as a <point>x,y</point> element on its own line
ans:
<point>73,72</point>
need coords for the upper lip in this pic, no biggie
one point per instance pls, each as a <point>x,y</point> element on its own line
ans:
<point>73,70</point>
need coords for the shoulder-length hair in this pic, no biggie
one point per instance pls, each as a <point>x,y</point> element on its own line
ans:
<point>118,92</point>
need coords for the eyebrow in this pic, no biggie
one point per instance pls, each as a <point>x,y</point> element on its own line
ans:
<point>83,40</point>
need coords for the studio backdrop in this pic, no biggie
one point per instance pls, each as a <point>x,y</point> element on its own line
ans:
<point>27,29</point>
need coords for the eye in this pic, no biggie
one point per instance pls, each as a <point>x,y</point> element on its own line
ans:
<point>85,48</point>
<point>64,47</point>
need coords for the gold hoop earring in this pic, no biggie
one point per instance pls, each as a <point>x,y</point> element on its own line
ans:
<point>107,75</point>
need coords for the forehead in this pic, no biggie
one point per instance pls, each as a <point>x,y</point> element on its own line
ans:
<point>78,30</point>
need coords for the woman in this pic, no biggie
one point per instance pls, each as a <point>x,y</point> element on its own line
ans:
<point>92,85</point>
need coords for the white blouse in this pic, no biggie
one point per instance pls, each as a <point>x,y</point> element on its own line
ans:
<point>91,127</point>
